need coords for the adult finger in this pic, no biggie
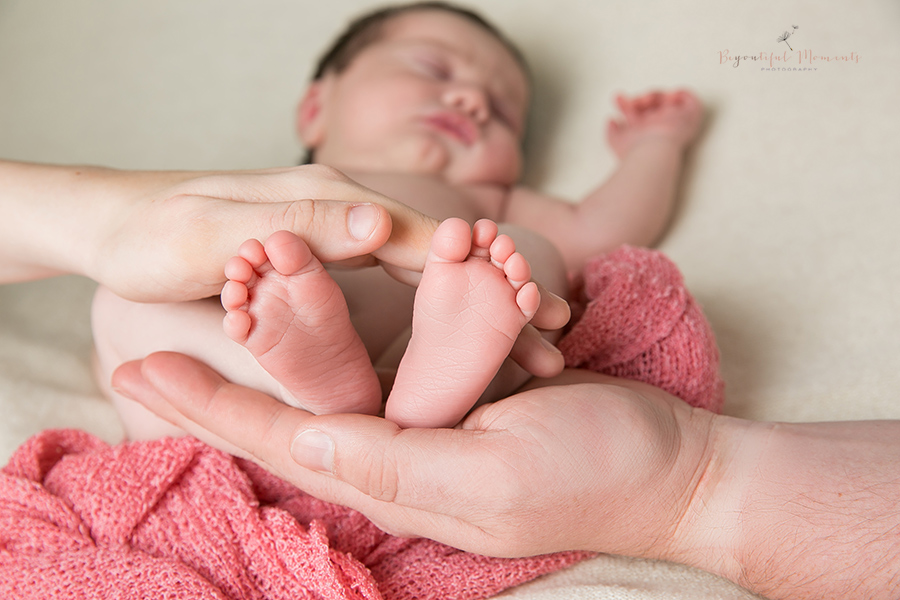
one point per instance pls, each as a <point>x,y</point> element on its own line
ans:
<point>537,355</point>
<point>411,230</point>
<point>334,230</point>
<point>191,395</point>
<point>554,311</point>
<point>448,485</point>
<point>178,252</point>
<point>414,481</point>
<point>372,455</point>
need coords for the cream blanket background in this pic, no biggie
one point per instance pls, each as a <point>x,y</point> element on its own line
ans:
<point>785,233</point>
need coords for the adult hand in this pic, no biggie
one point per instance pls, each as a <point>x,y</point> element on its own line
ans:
<point>165,236</point>
<point>592,466</point>
<point>196,225</point>
<point>786,510</point>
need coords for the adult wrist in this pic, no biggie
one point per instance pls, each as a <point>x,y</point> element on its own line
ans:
<point>47,215</point>
<point>717,459</point>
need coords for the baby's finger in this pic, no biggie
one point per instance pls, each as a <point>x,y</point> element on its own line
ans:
<point>690,100</point>
<point>677,97</point>
<point>648,101</point>
<point>613,129</point>
<point>626,106</point>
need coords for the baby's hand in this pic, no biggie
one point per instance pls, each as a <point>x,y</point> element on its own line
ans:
<point>674,116</point>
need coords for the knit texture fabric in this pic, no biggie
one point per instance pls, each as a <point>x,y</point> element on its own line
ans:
<point>635,319</point>
<point>176,519</point>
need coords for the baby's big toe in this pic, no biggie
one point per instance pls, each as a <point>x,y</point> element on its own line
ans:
<point>288,253</point>
<point>451,242</point>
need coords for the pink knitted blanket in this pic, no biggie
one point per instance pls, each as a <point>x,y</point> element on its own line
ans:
<point>176,519</point>
<point>636,320</point>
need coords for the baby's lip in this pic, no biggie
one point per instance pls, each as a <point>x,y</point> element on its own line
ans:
<point>455,125</point>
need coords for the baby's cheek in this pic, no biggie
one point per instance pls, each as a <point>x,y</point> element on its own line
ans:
<point>504,162</point>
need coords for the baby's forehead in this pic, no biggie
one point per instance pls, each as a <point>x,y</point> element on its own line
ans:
<point>455,33</point>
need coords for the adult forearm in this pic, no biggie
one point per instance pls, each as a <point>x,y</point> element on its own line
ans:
<point>823,513</point>
<point>54,217</point>
<point>803,510</point>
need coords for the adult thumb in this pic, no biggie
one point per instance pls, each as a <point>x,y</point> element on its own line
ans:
<point>412,468</point>
<point>334,230</point>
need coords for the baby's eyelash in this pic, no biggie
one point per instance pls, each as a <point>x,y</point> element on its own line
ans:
<point>435,68</point>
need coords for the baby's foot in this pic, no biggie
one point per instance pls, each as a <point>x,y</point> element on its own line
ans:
<point>474,298</point>
<point>292,316</point>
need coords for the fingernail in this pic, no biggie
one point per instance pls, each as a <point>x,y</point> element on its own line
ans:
<point>120,391</point>
<point>313,450</point>
<point>362,220</point>
<point>557,297</point>
<point>546,344</point>
<point>128,382</point>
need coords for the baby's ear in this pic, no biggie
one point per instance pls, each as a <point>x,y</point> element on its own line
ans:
<point>310,115</point>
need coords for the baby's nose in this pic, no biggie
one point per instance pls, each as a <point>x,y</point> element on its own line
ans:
<point>470,99</point>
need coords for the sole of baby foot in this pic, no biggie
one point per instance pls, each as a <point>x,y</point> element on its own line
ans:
<point>283,306</point>
<point>474,298</point>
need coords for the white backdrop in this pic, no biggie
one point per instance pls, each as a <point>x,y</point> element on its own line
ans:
<point>785,232</point>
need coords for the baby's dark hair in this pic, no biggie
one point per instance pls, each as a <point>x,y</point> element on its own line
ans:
<point>368,28</point>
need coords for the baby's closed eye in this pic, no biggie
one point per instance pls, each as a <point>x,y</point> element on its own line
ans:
<point>433,66</point>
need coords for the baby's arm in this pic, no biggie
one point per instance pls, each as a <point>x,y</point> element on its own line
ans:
<point>634,205</point>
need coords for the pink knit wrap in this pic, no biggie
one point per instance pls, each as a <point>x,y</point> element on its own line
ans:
<point>176,519</point>
<point>636,320</point>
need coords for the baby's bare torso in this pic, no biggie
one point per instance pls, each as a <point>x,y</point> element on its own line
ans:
<point>380,307</point>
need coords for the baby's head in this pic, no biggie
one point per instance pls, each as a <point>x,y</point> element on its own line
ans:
<point>423,88</point>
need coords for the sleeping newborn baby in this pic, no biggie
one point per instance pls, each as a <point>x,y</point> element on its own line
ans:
<point>425,103</point>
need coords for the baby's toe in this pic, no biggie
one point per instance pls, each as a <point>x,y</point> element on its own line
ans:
<point>517,271</point>
<point>501,250</point>
<point>238,269</point>
<point>484,232</point>
<point>234,295</point>
<point>253,252</point>
<point>451,242</point>
<point>288,253</point>
<point>528,299</point>
<point>236,325</point>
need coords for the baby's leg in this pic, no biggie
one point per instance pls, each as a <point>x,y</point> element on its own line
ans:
<point>125,330</point>
<point>474,298</point>
<point>284,307</point>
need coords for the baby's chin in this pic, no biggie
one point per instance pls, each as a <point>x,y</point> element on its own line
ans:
<point>482,173</point>
<point>431,160</point>
<point>472,178</point>
<point>428,162</point>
